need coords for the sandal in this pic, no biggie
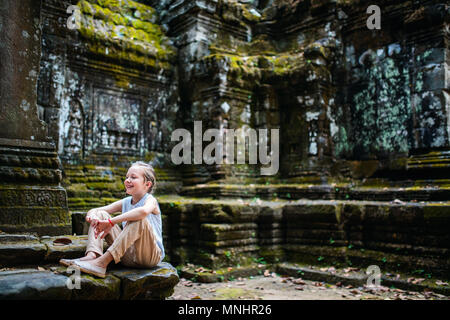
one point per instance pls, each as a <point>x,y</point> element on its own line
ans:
<point>88,268</point>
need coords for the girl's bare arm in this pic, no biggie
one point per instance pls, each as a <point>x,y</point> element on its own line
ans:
<point>137,213</point>
<point>111,208</point>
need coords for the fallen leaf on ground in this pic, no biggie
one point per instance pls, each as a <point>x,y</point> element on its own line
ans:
<point>332,269</point>
<point>298,281</point>
<point>196,298</point>
<point>416,281</point>
<point>318,284</point>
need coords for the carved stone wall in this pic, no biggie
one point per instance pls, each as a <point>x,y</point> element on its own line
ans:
<point>109,91</point>
<point>350,103</point>
<point>31,196</point>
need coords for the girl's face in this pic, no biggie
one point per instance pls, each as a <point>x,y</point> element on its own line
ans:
<point>135,183</point>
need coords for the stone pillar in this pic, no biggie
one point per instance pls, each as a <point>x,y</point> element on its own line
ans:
<point>31,198</point>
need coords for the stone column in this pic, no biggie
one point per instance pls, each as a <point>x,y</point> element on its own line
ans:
<point>31,198</point>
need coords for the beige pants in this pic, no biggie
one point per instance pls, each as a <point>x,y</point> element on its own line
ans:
<point>134,246</point>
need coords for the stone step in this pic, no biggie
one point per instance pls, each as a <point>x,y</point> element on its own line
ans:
<point>355,277</point>
<point>359,277</point>
<point>275,192</point>
<point>24,249</point>
<point>58,282</point>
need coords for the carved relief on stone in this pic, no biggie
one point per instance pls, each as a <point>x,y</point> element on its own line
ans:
<point>119,121</point>
<point>74,129</point>
<point>44,197</point>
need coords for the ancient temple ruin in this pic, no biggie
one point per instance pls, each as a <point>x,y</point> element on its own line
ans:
<point>363,116</point>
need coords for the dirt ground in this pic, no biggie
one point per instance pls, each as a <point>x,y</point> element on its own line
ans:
<point>275,287</point>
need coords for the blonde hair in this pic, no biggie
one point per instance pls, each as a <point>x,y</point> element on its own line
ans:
<point>149,173</point>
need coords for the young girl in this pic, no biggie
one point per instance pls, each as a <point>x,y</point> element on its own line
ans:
<point>139,244</point>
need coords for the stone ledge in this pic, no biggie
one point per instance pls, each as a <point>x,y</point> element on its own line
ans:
<point>51,282</point>
<point>32,284</point>
<point>354,278</point>
<point>24,249</point>
<point>358,278</point>
<point>203,275</point>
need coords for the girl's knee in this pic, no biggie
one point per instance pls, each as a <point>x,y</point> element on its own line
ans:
<point>140,222</point>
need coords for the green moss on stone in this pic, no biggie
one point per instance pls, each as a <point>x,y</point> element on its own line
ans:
<point>124,31</point>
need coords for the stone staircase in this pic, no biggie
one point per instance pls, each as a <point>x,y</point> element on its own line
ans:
<point>29,269</point>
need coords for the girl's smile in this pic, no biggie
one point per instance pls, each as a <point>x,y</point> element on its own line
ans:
<point>135,183</point>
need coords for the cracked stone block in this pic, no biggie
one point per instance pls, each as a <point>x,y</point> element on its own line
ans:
<point>33,284</point>
<point>154,283</point>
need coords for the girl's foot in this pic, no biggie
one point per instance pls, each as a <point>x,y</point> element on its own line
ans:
<point>90,256</point>
<point>102,261</point>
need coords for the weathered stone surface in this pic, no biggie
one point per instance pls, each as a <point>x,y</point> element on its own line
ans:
<point>73,250</point>
<point>229,273</point>
<point>61,283</point>
<point>92,288</point>
<point>79,223</point>
<point>156,283</point>
<point>17,249</point>
<point>21,38</point>
<point>29,166</point>
<point>30,284</point>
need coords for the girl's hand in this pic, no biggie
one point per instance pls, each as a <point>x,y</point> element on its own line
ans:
<point>92,221</point>
<point>102,227</point>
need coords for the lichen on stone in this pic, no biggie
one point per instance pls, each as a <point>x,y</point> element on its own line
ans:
<point>124,30</point>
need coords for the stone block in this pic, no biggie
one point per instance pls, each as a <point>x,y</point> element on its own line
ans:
<point>17,249</point>
<point>73,250</point>
<point>79,223</point>
<point>92,288</point>
<point>157,282</point>
<point>28,284</point>
<point>310,212</point>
